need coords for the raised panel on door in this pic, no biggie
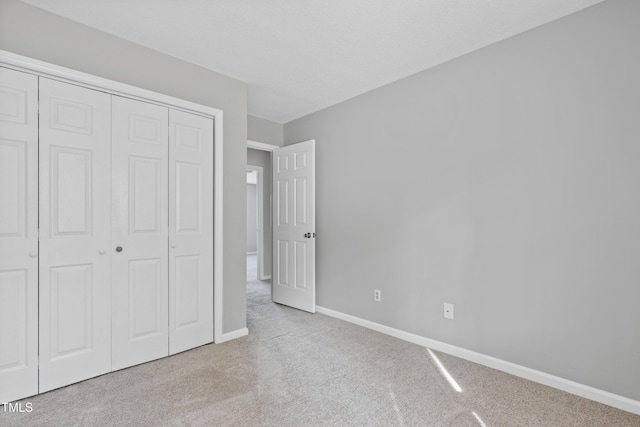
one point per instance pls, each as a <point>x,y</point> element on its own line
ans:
<point>294,226</point>
<point>18,235</point>
<point>75,224</point>
<point>190,231</point>
<point>71,334</point>
<point>187,272</point>
<point>140,227</point>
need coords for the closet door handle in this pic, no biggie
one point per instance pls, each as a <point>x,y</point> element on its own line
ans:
<point>119,249</point>
<point>102,252</point>
<point>173,245</point>
<point>33,254</point>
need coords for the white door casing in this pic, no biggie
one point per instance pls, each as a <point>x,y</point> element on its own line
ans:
<point>18,235</point>
<point>190,230</point>
<point>293,269</point>
<point>140,148</point>
<point>36,67</point>
<point>75,234</point>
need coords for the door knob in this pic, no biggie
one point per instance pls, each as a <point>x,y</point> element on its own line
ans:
<point>102,251</point>
<point>119,249</point>
<point>33,254</point>
<point>307,235</point>
<point>173,245</point>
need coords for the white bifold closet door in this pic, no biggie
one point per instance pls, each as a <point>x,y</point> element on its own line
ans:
<point>122,270</point>
<point>140,232</point>
<point>75,234</point>
<point>18,235</point>
<point>190,231</point>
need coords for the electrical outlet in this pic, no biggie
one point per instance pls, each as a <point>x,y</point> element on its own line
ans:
<point>448,311</point>
<point>377,295</point>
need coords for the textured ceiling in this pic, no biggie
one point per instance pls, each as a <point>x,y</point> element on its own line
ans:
<point>299,56</point>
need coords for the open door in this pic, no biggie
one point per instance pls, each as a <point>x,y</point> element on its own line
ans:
<point>294,223</point>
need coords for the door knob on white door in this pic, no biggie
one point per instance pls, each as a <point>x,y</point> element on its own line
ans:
<point>173,245</point>
<point>33,254</point>
<point>102,252</point>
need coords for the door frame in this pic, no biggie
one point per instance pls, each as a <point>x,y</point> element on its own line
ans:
<point>261,146</point>
<point>44,69</point>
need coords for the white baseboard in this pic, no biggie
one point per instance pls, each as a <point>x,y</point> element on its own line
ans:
<point>267,277</point>
<point>228,336</point>
<point>252,253</point>
<point>563,384</point>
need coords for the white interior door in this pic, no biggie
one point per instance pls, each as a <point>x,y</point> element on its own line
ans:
<point>294,224</point>
<point>140,308</point>
<point>75,233</point>
<point>190,231</point>
<point>18,235</point>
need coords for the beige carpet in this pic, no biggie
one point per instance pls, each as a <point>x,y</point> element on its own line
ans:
<point>298,369</point>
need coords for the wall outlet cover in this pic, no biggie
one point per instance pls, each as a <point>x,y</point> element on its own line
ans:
<point>448,310</point>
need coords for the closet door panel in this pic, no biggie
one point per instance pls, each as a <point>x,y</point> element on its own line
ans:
<point>190,231</point>
<point>75,223</point>
<point>18,235</point>
<point>140,227</point>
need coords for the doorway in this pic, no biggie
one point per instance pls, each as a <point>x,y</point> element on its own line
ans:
<point>292,202</point>
<point>259,230</point>
<point>258,282</point>
<point>256,223</point>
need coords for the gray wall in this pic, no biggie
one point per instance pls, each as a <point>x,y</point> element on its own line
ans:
<point>32,32</point>
<point>265,131</point>
<point>252,218</point>
<point>263,158</point>
<point>504,182</point>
